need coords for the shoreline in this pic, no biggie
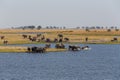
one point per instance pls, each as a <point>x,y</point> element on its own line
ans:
<point>63,43</point>
<point>16,49</point>
<point>11,48</point>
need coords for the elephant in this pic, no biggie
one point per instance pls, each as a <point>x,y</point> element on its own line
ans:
<point>62,46</point>
<point>47,45</point>
<point>38,35</point>
<point>48,40</point>
<point>74,47</point>
<point>2,37</point>
<point>29,49</point>
<point>36,49</point>
<point>41,50</point>
<point>66,39</point>
<point>33,39</point>
<point>55,40</point>
<point>85,47</point>
<point>5,42</point>
<point>24,36</point>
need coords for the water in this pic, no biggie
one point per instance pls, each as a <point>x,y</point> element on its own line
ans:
<point>102,62</point>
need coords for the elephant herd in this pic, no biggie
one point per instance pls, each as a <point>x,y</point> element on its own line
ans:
<point>76,48</point>
<point>36,49</point>
<point>60,46</point>
<point>43,49</point>
<point>41,37</point>
<point>3,38</point>
<point>57,46</point>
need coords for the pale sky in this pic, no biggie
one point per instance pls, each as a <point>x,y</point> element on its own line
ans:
<point>69,13</point>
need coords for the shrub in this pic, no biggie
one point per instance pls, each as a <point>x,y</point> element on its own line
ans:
<point>116,29</point>
<point>87,30</point>
<point>109,30</point>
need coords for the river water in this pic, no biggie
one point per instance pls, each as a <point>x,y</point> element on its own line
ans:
<point>102,62</point>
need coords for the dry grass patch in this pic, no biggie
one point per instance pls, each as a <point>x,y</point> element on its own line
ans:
<point>12,49</point>
<point>74,35</point>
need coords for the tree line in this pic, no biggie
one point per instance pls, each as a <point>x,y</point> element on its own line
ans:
<point>63,27</point>
<point>38,27</point>
<point>27,27</point>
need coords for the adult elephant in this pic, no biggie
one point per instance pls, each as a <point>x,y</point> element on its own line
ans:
<point>85,48</point>
<point>74,47</point>
<point>62,46</point>
<point>41,50</point>
<point>33,49</point>
<point>36,49</point>
<point>47,45</point>
<point>24,36</point>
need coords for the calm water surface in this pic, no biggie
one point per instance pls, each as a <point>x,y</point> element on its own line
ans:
<point>102,62</point>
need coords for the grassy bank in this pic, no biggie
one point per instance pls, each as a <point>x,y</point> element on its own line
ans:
<point>75,36</point>
<point>12,49</point>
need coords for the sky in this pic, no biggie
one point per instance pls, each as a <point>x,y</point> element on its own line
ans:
<point>69,13</point>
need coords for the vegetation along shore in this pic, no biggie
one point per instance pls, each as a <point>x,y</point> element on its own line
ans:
<point>69,36</point>
<point>14,49</point>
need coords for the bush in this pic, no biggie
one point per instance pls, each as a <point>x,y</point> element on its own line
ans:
<point>109,30</point>
<point>87,30</point>
<point>116,29</point>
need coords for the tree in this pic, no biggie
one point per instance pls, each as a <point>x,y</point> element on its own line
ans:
<point>31,27</point>
<point>87,30</point>
<point>64,27</point>
<point>106,27</point>
<point>39,27</point>
<point>54,27</point>
<point>12,27</point>
<point>116,29</point>
<point>77,27</point>
<point>51,27</point>
<point>83,27</point>
<point>112,27</point>
<point>102,27</point>
<point>47,27</point>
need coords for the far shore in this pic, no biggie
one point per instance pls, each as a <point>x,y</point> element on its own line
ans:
<point>11,37</point>
<point>100,36</point>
